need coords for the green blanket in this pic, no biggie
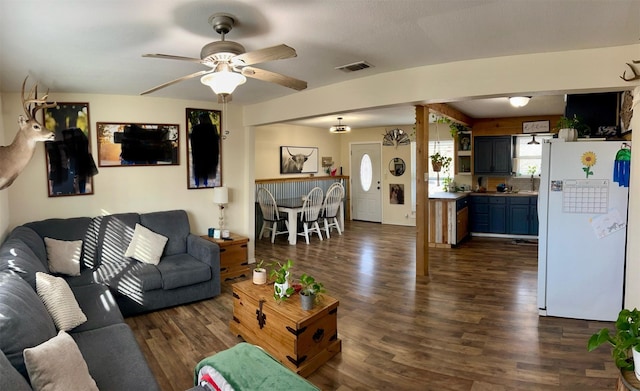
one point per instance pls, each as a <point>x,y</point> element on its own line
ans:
<point>248,367</point>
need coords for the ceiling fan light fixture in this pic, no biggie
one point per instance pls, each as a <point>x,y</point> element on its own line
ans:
<point>340,128</point>
<point>224,82</point>
<point>519,101</point>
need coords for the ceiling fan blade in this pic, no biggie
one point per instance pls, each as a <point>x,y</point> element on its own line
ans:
<point>278,52</point>
<point>273,77</point>
<point>167,84</point>
<point>172,57</point>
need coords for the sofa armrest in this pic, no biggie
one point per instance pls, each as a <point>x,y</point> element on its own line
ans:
<point>204,251</point>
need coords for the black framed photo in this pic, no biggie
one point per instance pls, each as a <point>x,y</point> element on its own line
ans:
<point>70,165</point>
<point>298,160</point>
<point>137,144</point>
<point>204,148</point>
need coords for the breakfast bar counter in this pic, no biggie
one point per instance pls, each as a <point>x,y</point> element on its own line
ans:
<point>448,218</point>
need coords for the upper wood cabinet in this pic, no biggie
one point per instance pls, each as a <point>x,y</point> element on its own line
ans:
<point>492,155</point>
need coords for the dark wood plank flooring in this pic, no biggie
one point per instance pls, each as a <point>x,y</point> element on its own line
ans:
<point>472,325</point>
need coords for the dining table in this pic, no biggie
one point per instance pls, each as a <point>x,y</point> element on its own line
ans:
<point>292,206</point>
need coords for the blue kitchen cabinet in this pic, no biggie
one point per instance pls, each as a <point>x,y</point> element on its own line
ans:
<point>492,155</point>
<point>498,215</point>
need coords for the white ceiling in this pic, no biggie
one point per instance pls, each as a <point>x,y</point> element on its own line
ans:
<point>96,46</point>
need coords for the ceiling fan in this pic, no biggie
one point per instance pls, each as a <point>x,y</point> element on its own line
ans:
<point>230,63</point>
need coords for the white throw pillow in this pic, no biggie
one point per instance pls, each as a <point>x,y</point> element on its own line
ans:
<point>64,256</point>
<point>146,246</point>
<point>57,364</point>
<point>59,301</point>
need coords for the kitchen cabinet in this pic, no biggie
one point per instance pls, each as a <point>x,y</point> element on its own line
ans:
<point>448,219</point>
<point>463,153</point>
<point>523,215</point>
<point>492,155</point>
<point>504,214</point>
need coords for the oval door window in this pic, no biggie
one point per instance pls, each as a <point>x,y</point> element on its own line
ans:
<point>366,175</point>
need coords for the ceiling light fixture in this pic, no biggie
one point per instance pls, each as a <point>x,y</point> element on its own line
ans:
<point>339,128</point>
<point>519,101</point>
<point>223,82</point>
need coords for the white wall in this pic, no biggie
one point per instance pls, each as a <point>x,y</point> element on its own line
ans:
<point>269,138</point>
<point>129,189</point>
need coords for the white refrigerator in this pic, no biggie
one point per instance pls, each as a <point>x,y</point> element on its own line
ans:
<point>582,214</point>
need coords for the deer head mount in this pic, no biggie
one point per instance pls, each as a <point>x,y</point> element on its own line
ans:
<point>15,157</point>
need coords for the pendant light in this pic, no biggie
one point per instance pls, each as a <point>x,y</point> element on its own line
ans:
<point>340,128</point>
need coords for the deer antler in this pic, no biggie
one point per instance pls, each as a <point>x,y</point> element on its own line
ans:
<point>32,98</point>
<point>636,75</point>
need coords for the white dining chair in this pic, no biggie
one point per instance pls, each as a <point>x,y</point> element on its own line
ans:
<point>270,215</point>
<point>311,213</point>
<point>330,208</point>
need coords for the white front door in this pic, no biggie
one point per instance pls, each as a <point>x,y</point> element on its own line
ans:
<point>366,189</point>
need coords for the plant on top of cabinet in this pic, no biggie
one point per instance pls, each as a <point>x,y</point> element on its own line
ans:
<point>576,123</point>
<point>454,127</point>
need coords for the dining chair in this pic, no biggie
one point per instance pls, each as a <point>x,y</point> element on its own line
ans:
<point>311,213</point>
<point>331,206</point>
<point>270,215</point>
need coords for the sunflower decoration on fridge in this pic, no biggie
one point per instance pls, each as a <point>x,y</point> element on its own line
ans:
<point>588,160</point>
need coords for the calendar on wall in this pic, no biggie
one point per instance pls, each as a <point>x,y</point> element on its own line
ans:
<point>585,195</point>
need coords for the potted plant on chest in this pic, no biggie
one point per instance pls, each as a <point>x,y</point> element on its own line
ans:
<point>259,274</point>
<point>310,292</point>
<point>625,341</point>
<point>281,287</point>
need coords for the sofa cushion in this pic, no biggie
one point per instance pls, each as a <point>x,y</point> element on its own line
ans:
<point>31,239</point>
<point>146,246</point>
<point>73,228</point>
<point>57,364</point>
<point>16,257</point>
<point>63,256</point>
<point>174,224</point>
<point>112,344</point>
<point>10,379</point>
<point>113,235</point>
<point>130,277</point>
<point>98,304</point>
<point>24,318</point>
<point>182,270</point>
<point>59,301</point>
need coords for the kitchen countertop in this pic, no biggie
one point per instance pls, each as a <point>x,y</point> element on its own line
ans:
<point>521,193</point>
<point>443,195</point>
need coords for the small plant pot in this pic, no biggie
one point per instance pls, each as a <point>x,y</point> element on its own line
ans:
<point>259,276</point>
<point>568,134</point>
<point>306,301</point>
<point>636,362</point>
<point>281,289</point>
<point>437,166</point>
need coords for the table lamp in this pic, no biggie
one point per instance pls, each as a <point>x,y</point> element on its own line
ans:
<point>221,197</point>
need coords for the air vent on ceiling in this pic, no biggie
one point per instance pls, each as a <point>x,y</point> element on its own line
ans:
<point>356,66</point>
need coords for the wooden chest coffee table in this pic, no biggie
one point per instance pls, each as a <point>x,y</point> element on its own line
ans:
<point>301,340</point>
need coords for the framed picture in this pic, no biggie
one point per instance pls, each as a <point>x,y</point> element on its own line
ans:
<point>70,166</point>
<point>298,160</point>
<point>136,144</point>
<point>396,194</point>
<point>204,149</point>
<point>536,126</point>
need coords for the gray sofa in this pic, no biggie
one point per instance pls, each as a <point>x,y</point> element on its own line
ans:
<point>109,285</point>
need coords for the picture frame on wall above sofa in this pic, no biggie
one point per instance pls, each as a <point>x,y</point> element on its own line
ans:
<point>137,144</point>
<point>298,160</point>
<point>204,148</point>
<point>70,165</point>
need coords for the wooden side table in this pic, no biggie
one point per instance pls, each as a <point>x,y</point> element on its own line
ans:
<point>234,259</point>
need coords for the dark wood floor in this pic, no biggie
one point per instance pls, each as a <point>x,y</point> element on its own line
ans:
<point>472,325</point>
